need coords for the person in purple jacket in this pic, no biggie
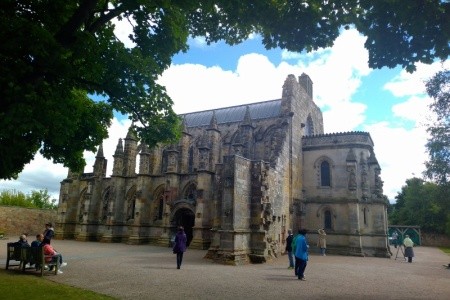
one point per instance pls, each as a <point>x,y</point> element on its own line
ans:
<point>180,245</point>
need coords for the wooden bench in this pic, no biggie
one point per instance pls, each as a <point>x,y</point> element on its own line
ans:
<point>30,255</point>
<point>13,253</point>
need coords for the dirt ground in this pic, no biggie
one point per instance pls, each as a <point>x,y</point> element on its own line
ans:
<point>149,272</point>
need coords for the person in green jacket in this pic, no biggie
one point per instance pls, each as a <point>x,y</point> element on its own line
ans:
<point>409,244</point>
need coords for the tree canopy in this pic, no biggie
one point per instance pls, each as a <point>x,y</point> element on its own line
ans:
<point>54,54</point>
<point>438,145</point>
<point>36,199</point>
<point>424,204</point>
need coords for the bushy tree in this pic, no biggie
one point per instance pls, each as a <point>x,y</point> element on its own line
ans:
<point>421,203</point>
<point>14,198</point>
<point>438,146</point>
<point>36,199</point>
<point>41,199</point>
<point>53,54</point>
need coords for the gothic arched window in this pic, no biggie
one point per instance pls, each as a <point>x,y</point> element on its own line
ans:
<point>191,160</point>
<point>191,192</point>
<point>105,204</point>
<point>131,207</point>
<point>309,130</point>
<point>161,207</point>
<point>325,174</point>
<point>327,219</point>
<point>165,161</point>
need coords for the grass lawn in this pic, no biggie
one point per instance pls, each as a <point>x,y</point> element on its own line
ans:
<point>17,285</point>
<point>445,249</point>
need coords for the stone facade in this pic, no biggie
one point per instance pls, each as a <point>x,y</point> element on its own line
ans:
<point>237,180</point>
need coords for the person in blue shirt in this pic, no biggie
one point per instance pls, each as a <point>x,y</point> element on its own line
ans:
<point>300,249</point>
<point>38,241</point>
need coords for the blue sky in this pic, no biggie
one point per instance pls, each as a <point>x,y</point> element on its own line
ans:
<point>390,104</point>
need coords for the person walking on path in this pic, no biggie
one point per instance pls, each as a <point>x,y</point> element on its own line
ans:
<point>322,242</point>
<point>288,249</point>
<point>180,245</point>
<point>395,238</point>
<point>300,249</point>
<point>409,244</point>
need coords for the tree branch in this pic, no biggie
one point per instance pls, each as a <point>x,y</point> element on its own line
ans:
<point>104,18</point>
<point>66,34</point>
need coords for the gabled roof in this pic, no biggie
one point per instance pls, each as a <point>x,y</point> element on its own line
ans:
<point>260,110</point>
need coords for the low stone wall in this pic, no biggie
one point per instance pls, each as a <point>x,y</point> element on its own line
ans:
<point>17,220</point>
<point>435,240</point>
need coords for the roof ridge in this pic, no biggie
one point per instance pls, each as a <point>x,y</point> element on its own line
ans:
<point>228,107</point>
<point>339,133</point>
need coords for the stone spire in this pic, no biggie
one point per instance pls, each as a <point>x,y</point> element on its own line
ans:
<point>118,159</point>
<point>130,134</point>
<point>119,148</point>
<point>247,118</point>
<point>184,128</point>
<point>100,163</point>
<point>213,122</point>
<point>100,151</point>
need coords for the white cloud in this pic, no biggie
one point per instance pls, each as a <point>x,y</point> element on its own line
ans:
<point>407,84</point>
<point>352,113</point>
<point>336,78</point>
<point>41,173</point>
<point>198,41</point>
<point>122,30</point>
<point>288,55</point>
<point>414,109</point>
<point>196,87</point>
<point>400,152</point>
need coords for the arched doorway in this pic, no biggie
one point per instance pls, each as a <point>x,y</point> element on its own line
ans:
<point>186,218</point>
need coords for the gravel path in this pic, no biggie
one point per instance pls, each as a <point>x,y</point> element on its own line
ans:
<point>149,272</point>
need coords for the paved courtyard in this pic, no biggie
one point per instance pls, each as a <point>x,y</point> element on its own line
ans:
<point>149,272</point>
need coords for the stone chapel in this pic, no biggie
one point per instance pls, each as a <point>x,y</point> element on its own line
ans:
<point>237,180</point>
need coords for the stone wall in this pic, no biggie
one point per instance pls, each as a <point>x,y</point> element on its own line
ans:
<point>435,240</point>
<point>17,220</point>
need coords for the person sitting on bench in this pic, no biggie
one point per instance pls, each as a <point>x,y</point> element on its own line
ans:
<point>23,242</point>
<point>36,244</point>
<point>53,255</point>
<point>38,241</point>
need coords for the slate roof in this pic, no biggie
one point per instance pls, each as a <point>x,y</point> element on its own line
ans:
<point>260,110</point>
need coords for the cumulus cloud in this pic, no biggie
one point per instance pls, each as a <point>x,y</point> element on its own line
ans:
<point>400,153</point>
<point>407,84</point>
<point>415,109</point>
<point>42,173</point>
<point>401,149</point>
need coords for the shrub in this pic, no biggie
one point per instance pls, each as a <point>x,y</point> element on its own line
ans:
<point>37,199</point>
